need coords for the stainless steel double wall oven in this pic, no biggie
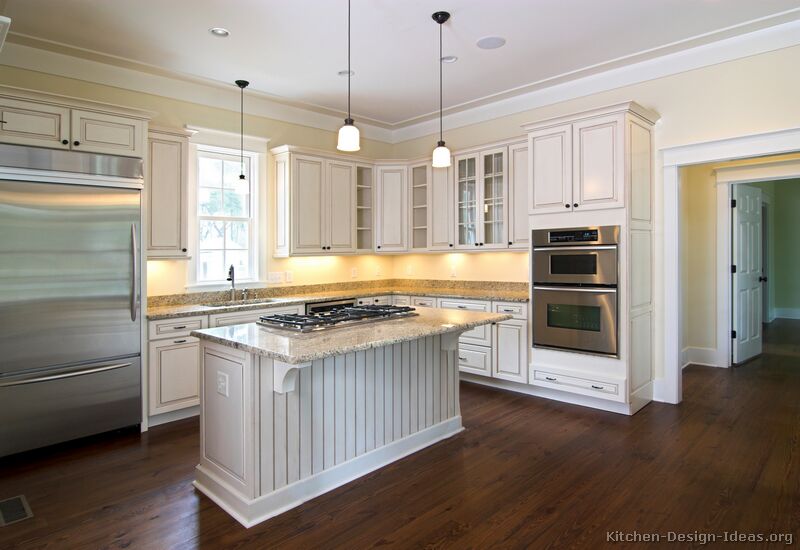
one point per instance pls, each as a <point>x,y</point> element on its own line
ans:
<point>575,275</point>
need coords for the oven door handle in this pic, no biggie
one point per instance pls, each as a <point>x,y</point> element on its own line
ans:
<point>571,248</point>
<point>577,289</point>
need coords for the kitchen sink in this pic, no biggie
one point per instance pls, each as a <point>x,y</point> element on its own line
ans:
<point>241,302</point>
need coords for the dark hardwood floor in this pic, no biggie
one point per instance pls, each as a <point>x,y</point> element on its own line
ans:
<point>526,473</point>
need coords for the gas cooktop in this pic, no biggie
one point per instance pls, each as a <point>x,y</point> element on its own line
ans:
<point>345,316</point>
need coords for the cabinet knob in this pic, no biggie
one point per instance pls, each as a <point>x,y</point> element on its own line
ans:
<point>510,243</point>
<point>183,250</point>
<point>379,247</point>
<point>451,245</point>
<point>76,143</point>
<point>575,205</point>
<point>64,142</point>
<point>477,244</point>
<point>566,206</point>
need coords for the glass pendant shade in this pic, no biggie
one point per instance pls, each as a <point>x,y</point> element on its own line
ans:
<point>441,156</point>
<point>349,137</point>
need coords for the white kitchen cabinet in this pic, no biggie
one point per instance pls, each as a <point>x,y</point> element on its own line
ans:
<point>250,316</point>
<point>482,199</point>
<point>316,201</point>
<point>510,345</point>
<point>419,199</point>
<point>166,188</point>
<point>518,232</point>
<point>474,359</point>
<point>420,301</point>
<point>95,132</point>
<point>440,209</point>
<point>374,301</point>
<point>34,123</point>
<point>365,209</point>
<point>174,374</point>
<point>392,215</point>
<point>401,300</point>
<point>583,162</point>
<point>480,336</point>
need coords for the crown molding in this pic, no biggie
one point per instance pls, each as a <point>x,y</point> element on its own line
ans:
<point>547,92</point>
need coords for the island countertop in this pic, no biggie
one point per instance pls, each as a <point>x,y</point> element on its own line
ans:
<point>296,348</point>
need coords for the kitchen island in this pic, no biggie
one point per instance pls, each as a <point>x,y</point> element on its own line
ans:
<point>288,416</point>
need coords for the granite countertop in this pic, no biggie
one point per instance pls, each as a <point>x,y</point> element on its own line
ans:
<point>297,348</point>
<point>187,310</point>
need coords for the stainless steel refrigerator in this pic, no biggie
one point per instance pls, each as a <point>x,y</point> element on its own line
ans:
<point>70,325</point>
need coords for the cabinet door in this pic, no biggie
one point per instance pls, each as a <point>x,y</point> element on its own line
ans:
<point>550,163</point>
<point>440,209</point>
<point>174,374</point>
<point>101,133</point>
<point>167,189</point>
<point>419,237</point>
<point>598,163</point>
<point>466,188</point>
<point>31,123</point>
<point>518,233</point>
<point>308,205</point>
<point>392,209</point>
<point>493,192</point>
<point>341,206</point>
<point>510,344</point>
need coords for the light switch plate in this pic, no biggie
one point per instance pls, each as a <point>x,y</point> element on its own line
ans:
<point>289,277</point>
<point>275,277</point>
<point>222,384</point>
<point>354,272</point>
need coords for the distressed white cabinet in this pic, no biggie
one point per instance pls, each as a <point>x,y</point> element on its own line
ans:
<point>375,300</point>
<point>419,200</point>
<point>315,205</point>
<point>95,132</point>
<point>43,120</point>
<point>250,316</point>
<point>174,374</point>
<point>518,232</point>
<point>440,209</point>
<point>482,199</point>
<point>166,188</point>
<point>34,123</point>
<point>392,214</point>
<point>582,162</point>
<point>510,345</point>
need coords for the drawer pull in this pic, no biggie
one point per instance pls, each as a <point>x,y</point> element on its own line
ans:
<point>508,310</point>
<point>461,307</point>
<point>462,358</point>
<point>179,328</point>
<point>598,387</point>
<point>551,378</point>
<point>178,341</point>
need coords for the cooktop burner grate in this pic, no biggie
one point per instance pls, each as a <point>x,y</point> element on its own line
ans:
<point>338,317</point>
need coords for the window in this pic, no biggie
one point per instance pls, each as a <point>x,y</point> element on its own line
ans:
<point>226,224</point>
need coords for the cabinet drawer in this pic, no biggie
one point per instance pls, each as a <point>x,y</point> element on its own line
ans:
<point>251,316</point>
<point>517,310</point>
<point>173,328</point>
<point>475,359</point>
<point>480,336</point>
<point>174,374</point>
<point>401,300</point>
<point>575,384</point>
<point>375,300</point>
<point>418,301</point>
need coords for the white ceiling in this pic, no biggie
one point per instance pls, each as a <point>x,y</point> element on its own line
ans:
<point>292,49</point>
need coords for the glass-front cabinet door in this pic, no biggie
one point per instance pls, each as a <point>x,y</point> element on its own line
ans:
<point>494,199</point>
<point>467,219</point>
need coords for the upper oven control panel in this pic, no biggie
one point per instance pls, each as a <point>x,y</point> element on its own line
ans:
<point>600,235</point>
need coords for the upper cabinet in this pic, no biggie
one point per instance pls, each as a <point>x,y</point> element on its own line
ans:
<point>419,196</point>
<point>315,205</point>
<point>518,230</point>
<point>166,188</point>
<point>581,162</point>
<point>392,214</point>
<point>482,199</point>
<point>48,121</point>
<point>440,209</point>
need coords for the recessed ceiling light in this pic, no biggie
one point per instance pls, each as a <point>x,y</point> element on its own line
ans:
<point>449,59</point>
<point>346,73</point>
<point>491,42</point>
<point>220,32</point>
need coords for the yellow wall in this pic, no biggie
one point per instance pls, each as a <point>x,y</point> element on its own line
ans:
<point>486,266</point>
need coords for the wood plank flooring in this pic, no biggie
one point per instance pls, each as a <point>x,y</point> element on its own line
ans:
<point>526,473</point>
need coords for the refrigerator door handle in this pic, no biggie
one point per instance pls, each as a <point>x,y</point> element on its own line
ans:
<point>134,261</point>
<point>71,374</point>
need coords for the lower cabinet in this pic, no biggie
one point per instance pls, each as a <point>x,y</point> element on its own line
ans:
<point>510,344</point>
<point>401,300</point>
<point>375,300</point>
<point>174,374</point>
<point>250,316</point>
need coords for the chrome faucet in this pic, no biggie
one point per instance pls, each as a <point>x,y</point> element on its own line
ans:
<point>232,279</point>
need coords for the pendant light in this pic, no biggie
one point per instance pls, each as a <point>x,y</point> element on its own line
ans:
<point>441,155</point>
<point>242,85</point>
<point>349,136</point>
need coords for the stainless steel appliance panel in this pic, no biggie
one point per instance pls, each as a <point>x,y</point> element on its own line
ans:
<point>63,404</point>
<point>575,319</point>
<point>35,158</point>
<point>572,236</point>
<point>69,275</point>
<point>591,265</point>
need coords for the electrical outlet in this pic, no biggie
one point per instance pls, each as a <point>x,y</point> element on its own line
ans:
<point>275,277</point>
<point>377,271</point>
<point>409,270</point>
<point>453,271</point>
<point>354,272</point>
<point>222,384</point>
<point>289,276</point>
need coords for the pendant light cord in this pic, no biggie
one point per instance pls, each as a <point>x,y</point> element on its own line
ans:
<point>349,72</point>
<point>241,133</point>
<point>441,131</point>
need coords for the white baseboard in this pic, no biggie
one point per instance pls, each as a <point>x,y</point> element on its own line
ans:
<point>787,313</point>
<point>172,416</point>
<point>708,357</point>
<point>250,512</point>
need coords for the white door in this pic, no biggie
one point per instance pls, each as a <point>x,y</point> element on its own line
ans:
<point>550,163</point>
<point>341,201</point>
<point>308,205</point>
<point>466,203</point>
<point>747,229</point>
<point>518,233</point>
<point>440,212</point>
<point>30,123</point>
<point>511,350</point>
<point>167,183</point>
<point>100,133</point>
<point>392,209</point>
<point>493,193</point>
<point>598,163</point>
